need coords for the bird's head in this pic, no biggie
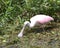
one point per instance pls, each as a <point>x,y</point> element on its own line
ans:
<point>26,23</point>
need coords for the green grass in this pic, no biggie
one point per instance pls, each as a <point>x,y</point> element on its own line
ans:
<point>34,38</point>
<point>13,13</point>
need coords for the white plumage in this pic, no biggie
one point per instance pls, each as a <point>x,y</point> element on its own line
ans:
<point>42,19</point>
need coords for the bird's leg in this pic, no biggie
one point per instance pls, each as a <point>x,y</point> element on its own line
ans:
<point>43,27</point>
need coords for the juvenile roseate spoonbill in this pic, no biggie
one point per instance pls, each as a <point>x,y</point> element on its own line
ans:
<point>37,19</point>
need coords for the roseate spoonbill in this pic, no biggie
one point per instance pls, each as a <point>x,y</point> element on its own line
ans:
<point>41,19</point>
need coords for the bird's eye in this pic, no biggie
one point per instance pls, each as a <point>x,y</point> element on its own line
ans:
<point>30,21</point>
